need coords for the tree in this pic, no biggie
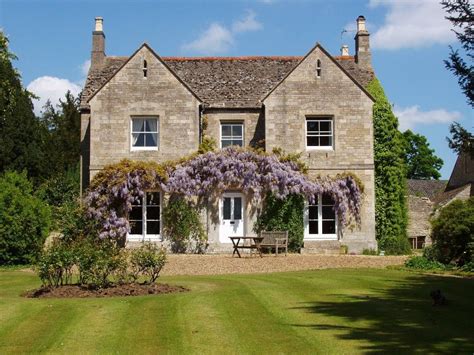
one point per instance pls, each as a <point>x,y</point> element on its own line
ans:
<point>63,126</point>
<point>420,160</point>
<point>461,140</point>
<point>21,136</point>
<point>390,173</point>
<point>461,15</point>
<point>24,220</point>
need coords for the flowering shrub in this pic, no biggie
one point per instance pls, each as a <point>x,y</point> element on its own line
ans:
<point>206,176</point>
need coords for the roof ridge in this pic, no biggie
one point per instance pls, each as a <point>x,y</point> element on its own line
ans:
<point>233,58</point>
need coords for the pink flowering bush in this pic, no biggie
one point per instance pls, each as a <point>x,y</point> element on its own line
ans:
<point>207,175</point>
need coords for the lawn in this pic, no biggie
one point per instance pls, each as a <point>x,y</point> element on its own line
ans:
<point>325,311</point>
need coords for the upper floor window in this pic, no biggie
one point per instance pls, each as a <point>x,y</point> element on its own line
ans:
<point>320,219</point>
<point>318,68</point>
<point>232,134</point>
<point>319,133</point>
<point>145,217</point>
<point>145,133</point>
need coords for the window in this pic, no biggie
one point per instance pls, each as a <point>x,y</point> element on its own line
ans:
<point>232,134</point>
<point>320,219</point>
<point>145,68</point>
<point>318,68</point>
<point>144,218</point>
<point>144,133</point>
<point>319,133</point>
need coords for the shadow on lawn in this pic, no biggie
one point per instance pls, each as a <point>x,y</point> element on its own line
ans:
<point>402,317</point>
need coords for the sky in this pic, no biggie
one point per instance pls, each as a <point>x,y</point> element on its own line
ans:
<point>409,41</point>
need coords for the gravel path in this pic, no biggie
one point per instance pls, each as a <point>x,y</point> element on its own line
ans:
<point>226,264</point>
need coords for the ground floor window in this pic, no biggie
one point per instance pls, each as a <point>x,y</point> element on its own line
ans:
<point>320,219</point>
<point>145,218</point>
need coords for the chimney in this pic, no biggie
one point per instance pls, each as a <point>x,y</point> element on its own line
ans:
<point>362,56</point>
<point>345,50</point>
<point>98,44</point>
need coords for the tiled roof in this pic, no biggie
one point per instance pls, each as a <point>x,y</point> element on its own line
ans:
<point>425,188</point>
<point>446,196</point>
<point>224,81</point>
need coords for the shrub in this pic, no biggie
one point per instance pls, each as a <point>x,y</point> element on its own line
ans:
<point>24,220</point>
<point>370,252</point>
<point>396,246</point>
<point>422,263</point>
<point>285,214</point>
<point>182,226</point>
<point>453,233</point>
<point>98,262</point>
<point>55,264</point>
<point>148,260</point>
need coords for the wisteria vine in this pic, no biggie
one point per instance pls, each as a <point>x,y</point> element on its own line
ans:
<point>115,188</point>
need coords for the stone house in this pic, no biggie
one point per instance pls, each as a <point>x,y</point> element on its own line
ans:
<point>148,107</point>
<point>426,197</point>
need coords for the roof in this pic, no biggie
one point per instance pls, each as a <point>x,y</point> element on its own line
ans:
<point>447,195</point>
<point>425,188</point>
<point>224,81</point>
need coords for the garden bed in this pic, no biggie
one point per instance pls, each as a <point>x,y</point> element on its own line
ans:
<point>76,291</point>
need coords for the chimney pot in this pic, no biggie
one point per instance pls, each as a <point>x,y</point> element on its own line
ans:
<point>345,50</point>
<point>361,24</point>
<point>99,24</point>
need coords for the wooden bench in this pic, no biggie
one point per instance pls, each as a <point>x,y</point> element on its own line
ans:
<point>274,239</point>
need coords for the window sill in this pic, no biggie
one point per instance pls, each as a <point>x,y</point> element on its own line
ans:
<point>141,238</point>
<point>320,237</point>
<point>141,149</point>
<point>326,149</point>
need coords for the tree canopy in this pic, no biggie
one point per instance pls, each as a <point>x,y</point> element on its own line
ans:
<point>461,15</point>
<point>420,160</point>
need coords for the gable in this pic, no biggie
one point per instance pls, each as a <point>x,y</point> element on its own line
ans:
<point>135,63</point>
<point>308,65</point>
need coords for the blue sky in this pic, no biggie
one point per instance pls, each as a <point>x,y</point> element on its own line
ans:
<point>409,41</point>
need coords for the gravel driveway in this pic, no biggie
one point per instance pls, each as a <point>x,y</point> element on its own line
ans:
<point>226,264</point>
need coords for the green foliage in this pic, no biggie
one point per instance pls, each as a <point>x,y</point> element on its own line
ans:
<point>21,135</point>
<point>281,215</point>
<point>55,265</point>
<point>461,139</point>
<point>61,192</point>
<point>453,233</point>
<point>24,220</point>
<point>390,171</point>
<point>208,144</point>
<point>148,260</point>
<point>182,226</point>
<point>370,252</point>
<point>461,15</point>
<point>98,261</point>
<point>422,263</point>
<point>420,160</point>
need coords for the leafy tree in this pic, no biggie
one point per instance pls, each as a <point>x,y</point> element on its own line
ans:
<point>461,15</point>
<point>21,136</point>
<point>24,220</point>
<point>461,140</point>
<point>453,233</point>
<point>420,160</point>
<point>63,125</point>
<point>390,173</point>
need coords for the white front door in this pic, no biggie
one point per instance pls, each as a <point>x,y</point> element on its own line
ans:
<point>231,215</point>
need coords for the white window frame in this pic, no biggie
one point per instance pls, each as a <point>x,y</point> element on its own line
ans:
<point>319,119</point>
<point>132,148</point>
<point>224,123</point>
<point>144,236</point>
<point>320,235</point>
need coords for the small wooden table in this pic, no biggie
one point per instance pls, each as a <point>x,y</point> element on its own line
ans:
<point>254,244</point>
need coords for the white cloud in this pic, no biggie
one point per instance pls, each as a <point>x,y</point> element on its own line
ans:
<point>85,67</point>
<point>411,24</point>
<point>218,39</point>
<point>248,23</point>
<point>411,116</point>
<point>50,88</point>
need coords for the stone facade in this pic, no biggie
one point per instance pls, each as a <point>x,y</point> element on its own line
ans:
<point>273,98</point>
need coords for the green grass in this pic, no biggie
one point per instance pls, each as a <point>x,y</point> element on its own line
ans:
<point>326,311</point>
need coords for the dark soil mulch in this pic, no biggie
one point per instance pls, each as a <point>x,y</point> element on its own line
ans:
<point>70,291</point>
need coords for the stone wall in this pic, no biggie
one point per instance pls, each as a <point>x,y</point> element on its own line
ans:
<point>419,212</point>
<point>333,94</point>
<point>129,94</point>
